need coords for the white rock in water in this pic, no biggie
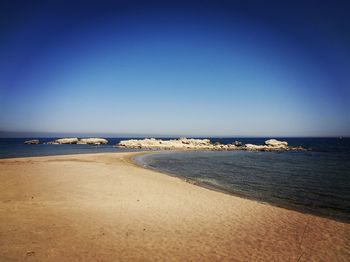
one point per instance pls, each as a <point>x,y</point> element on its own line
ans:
<point>52,143</point>
<point>276,143</point>
<point>93,141</point>
<point>32,142</point>
<point>255,147</point>
<point>192,141</point>
<point>66,140</point>
<point>233,147</point>
<point>237,143</point>
<point>152,143</point>
<point>202,144</point>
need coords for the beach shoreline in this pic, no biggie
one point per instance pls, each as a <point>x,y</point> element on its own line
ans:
<point>133,159</point>
<point>105,207</point>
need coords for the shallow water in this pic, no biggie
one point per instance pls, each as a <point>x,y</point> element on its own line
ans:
<point>317,182</point>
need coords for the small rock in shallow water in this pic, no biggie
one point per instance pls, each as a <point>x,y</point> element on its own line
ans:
<point>93,141</point>
<point>237,143</point>
<point>32,142</point>
<point>62,141</point>
<point>276,143</point>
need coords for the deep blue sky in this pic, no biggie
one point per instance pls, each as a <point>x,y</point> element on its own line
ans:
<point>206,68</point>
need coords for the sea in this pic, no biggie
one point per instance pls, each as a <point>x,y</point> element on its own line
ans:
<point>316,181</point>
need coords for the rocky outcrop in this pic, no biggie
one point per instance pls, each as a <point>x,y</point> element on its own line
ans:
<point>203,144</point>
<point>253,147</point>
<point>237,143</point>
<point>152,143</point>
<point>92,141</point>
<point>271,145</point>
<point>63,141</point>
<point>52,143</point>
<point>82,141</point>
<point>276,143</point>
<point>32,142</point>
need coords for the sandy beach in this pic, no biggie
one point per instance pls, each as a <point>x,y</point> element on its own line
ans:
<point>102,207</point>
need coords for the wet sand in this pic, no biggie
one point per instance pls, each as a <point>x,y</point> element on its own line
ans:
<point>102,207</point>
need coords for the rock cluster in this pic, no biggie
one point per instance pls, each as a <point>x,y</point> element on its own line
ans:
<point>274,142</point>
<point>63,141</point>
<point>270,145</point>
<point>203,144</point>
<point>81,141</point>
<point>152,143</point>
<point>92,141</point>
<point>32,142</point>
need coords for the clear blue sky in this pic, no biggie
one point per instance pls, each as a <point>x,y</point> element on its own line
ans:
<point>205,68</point>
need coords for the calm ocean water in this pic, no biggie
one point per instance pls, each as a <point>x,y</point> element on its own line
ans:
<point>315,181</point>
<point>14,147</point>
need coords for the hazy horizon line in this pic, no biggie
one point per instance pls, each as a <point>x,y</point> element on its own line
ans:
<point>37,134</point>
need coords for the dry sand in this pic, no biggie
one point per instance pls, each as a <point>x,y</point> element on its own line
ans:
<point>102,207</point>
